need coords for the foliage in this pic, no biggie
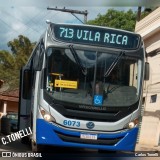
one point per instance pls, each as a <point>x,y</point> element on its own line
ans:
<point>11,63</point>
<point>116,19</point>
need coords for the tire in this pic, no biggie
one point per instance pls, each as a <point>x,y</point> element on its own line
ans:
<point>5,126</point>
<point>36,148</point>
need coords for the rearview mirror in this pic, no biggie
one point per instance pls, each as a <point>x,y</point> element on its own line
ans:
<point>26,92</point>
<point>146,72</point>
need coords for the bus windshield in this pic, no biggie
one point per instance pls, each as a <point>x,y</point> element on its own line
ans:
<point>67,82</point>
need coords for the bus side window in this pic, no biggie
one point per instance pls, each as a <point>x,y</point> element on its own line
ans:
<point>55,68</point>
<point>38,57</point>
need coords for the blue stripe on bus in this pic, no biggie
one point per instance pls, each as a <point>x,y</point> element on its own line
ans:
<point>46,134</point>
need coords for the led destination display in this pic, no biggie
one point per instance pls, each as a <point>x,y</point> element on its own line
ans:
<point>96,36</point>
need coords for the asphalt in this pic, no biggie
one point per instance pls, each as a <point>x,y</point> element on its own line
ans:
<point>139,147</point>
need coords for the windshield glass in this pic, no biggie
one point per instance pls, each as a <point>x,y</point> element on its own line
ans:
<point>67,82</point>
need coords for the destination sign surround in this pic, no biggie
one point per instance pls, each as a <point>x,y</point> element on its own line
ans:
<point>96,36</point>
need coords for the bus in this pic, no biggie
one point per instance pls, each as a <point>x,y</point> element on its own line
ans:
<point>82,87</point>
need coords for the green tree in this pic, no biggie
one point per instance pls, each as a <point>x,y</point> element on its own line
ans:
<point>21,48</point>
<point>8,71</point>
<point>11,63</point>
<point>116,19</point>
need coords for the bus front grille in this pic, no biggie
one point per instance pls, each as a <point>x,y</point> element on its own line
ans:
<point>76,139</point>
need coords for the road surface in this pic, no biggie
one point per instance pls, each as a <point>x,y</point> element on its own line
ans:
<point>60,153</point>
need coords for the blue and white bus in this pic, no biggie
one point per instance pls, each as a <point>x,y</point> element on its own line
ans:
<point>82,87</point>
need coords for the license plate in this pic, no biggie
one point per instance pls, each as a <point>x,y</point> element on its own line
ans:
<point>89,136</point>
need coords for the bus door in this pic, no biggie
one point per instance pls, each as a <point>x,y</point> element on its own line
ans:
<point>24,119</point>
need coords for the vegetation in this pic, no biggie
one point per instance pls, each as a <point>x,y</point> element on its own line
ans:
<point>120,19</point>
<point>116,19</point>
<point>11,63</point>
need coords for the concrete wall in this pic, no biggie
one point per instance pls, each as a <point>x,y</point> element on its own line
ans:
<point>150,131</point>
<point>152,90</point>
<point>149,29</point>
<point>154,68</point>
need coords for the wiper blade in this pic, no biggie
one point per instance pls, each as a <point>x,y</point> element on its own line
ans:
<point>114,63</point>
<point>74,53</point>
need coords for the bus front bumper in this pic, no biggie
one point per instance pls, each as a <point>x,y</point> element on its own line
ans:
<point>50,134</point>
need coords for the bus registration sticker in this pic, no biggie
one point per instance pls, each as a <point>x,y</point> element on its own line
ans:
<point>65,84</point>
<point>88,136</point>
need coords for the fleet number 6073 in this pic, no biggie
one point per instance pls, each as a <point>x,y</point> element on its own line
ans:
<point>71,123</point>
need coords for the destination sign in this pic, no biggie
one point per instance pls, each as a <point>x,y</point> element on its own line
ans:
<point>99,36</point>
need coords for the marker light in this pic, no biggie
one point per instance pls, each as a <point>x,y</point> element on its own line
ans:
<point>42,112</point>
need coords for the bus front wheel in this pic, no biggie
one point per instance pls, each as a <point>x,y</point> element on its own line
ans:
<point>35,147</point>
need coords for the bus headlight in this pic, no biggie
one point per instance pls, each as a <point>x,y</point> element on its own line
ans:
<point>132,124</point>
<point>47,116</point>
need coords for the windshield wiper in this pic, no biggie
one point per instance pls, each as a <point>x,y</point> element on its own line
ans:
<point>74,53</point>
<point>114,63</point>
